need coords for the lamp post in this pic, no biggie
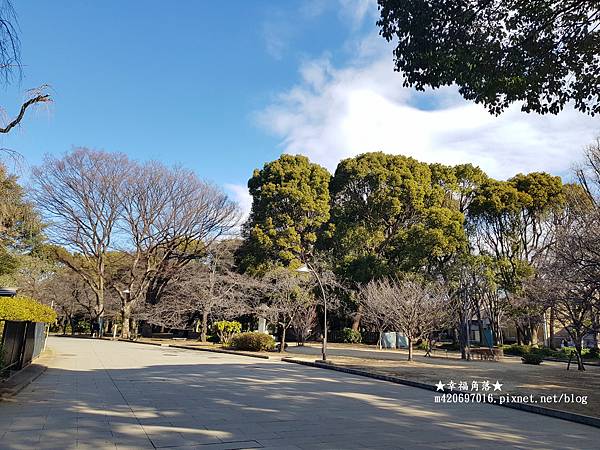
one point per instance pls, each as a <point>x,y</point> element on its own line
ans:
<point>305,268</point>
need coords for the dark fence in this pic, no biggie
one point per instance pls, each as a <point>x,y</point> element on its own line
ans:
<point>22,342</point>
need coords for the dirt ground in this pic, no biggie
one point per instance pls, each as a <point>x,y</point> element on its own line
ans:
<point>516,378</point>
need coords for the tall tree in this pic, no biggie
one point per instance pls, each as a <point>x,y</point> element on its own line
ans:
<point>390,214</point>
<point>168,218</point>
<point>568,280</point>
<point>290,204</point>
<point>513,221</point>
<point>542,54</point>
<point>380,204</point>
<point>79,194</point>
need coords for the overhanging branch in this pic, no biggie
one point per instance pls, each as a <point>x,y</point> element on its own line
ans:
<point>40,98</point>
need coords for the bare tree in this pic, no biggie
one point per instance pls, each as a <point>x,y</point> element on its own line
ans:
<point>569,281</point>
<point>206,288</point>
<point>60,291</point>
<point>412,307</point>
<point>290,296</point>
<point>305,320</point>
<point>375,310</point>
<point>169,218</point>
<point>79,194</point>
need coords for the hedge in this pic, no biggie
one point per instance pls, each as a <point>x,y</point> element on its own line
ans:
<point>253,341</point>
<point>21,308</point>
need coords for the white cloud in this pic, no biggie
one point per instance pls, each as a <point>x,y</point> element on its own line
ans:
<point>240,194</point>
<point>334,113</point>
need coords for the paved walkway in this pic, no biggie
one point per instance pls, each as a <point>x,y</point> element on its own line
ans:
<point>101,394</point>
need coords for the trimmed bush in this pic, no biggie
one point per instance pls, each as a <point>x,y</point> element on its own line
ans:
<point>21,308</point>
<point>545,352</point>
<point>351,336</point>
<point>253,341</point>
<point>532,357</point>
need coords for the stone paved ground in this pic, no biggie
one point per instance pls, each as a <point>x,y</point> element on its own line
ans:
<point>101,394</point>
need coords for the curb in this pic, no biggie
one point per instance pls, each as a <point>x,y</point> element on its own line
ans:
<point>571,417</point>
<point>23,378</point>
<point>186,347</point>
<point>189,347</point>
<point>218,350</point>
<point>156,344</point>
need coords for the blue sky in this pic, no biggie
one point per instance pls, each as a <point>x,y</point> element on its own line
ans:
<point>180,83</point>
<point>223,87</point>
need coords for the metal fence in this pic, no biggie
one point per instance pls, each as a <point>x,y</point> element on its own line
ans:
<point>22,342</point>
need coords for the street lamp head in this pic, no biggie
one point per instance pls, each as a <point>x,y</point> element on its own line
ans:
<point>303,269</point>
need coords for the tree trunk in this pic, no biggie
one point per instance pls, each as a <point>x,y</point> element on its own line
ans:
<point>204,330</point>
<point>578,351</point>
<point>463,337</point>
<point>100,302</point>
<point>533,332</point>
<point>357,318</point>
<point>125,316</point>
<point>552,321</point>
<point>410,348</point>
<point>282,340</point>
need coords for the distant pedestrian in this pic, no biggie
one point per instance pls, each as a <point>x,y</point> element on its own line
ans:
<point>95,329</point>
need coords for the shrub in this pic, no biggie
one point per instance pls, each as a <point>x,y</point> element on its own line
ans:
<point>225,329</point>
<point>532,358</point>
<point>351,336</point>
<point>594,353</point>
<point>545,352</point>
<point>21,308</point>
<point>253,341</point>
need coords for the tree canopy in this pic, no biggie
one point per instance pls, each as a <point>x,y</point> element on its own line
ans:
<point>290,203</point>
<point>543,54</point>
<point>388,214</point>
